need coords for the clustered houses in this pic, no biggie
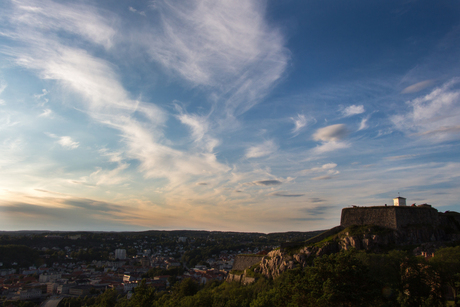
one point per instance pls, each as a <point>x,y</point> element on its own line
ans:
<point>81,278</point>
<point>75,279</point>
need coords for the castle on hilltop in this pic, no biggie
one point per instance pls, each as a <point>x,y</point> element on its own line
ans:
<point>397,216</point>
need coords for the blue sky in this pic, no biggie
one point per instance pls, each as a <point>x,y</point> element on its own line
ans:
<point>224,115</point>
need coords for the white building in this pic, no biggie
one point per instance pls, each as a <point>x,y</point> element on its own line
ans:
<point>399,201</point>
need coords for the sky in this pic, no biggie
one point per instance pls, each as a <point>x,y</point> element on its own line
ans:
<point>238,115</point>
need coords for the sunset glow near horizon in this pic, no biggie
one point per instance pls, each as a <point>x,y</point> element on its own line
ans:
<point>237,115</point>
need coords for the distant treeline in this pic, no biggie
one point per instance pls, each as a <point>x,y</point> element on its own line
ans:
<point>22,255</point>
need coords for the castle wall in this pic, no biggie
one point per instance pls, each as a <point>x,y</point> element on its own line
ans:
<point>406,216</point>
<point>390,217</point>
<point>379,216</point>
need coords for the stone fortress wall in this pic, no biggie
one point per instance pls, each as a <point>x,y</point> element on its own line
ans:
<point>394,217</point>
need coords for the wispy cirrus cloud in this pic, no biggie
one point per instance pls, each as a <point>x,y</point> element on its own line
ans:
<point>104,97</point>
<point>226,46</point>
<point>327,170</point>
<point>435,114</point>
<point>46,113</point>
<point>79,19</point>
<point>301,121</point>
<point>417,87</point>
<point>199,126</point>
<point>363,125</point>
<point>131,9</point>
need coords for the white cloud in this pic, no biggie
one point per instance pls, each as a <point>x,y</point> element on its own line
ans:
<point>264,149</point>
<point>330,138</point>
<point>2,88</point>
<point>44,93</point>
<point>331,133</point>
<point>68,142</point>
<point>417,87</point>
<point>435,115</point>
<point>64,141</point>
<point>329,166</point>
<point>363,125</point>
<point>353,110</point>
<point>300,122</point>
<point>108,177</point>
<point>131,9</point>
<point>46,113</point>
<point>199,126</point>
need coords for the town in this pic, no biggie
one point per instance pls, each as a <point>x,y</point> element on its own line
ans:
<point>35,266</point>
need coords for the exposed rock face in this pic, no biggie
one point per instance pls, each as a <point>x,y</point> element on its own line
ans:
<point>276,262</point>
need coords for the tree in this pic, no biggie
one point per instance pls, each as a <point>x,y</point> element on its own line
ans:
<point>335,280</point>
<point>144,295</point>
<point>107,299</point>
<point>447,261</point>
<point>420,284</point>
<point>342,280</point>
